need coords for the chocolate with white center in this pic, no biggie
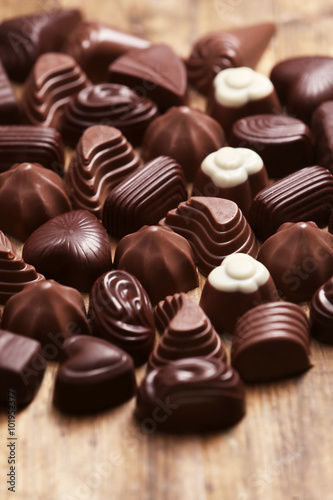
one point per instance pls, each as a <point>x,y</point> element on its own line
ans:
<point>321,313</point>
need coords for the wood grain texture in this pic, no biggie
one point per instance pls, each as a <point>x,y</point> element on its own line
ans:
<point>283,449</point>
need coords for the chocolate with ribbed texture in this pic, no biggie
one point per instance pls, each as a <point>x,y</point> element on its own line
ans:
<point>9,110</point>
<point>321,313</point>
<point>168,308</point>
<point>322,128</point>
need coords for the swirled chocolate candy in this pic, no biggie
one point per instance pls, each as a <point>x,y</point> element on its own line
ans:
<point>25,143</point>
<point>284,143</point>
<point>240,92</point>
<point>22,368</point>
<point>321,313</point>
<point>237,285</point>
<point>236,174</point>
<point>322,127</point>
<point>189,334</point>
<point>162,261</point>
<point>9,110</point>
<point>168,308</point>
<point>271,342</point>
<point>214,227</point>
<point>23,39</point>
<point>95,45</point>
<point>111,104</point>
<point>303,83</point>
<point>49,87</point>
<point>185,134</point>
<point>144,197</point>
<point>302,196</point>
<point>156,72</point>
<point>120,312</point>
<point>95,375</point>
<point>55,313</point>
<point>29,196</point>
<point>72,248</point>
<point>102,159</point>
<point>226,49</point>
<point>299,257</point>
<point>190,395</point>
<point>15,274</point>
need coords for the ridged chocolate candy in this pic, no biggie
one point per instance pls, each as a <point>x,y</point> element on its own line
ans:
<point>190,395</point>
<point>72,248</point>
<point>321,313</point>
<point>214,227</point>
<point>144,197</point>
<point>284,143</point>
<point>120,312</point>
<point>322,128</point>
<point>237,285</point>
<point>15,274</point>
<point>161,260</point>
<point>95,375</point>
<point>55,313</point>
<point>29,196</point>
<point>185,134</point>
<point>102,159</point>
<point>299,257</point>
<point>271,342</point>
<point>226,49</point>
<point>302,196</point>
<point>23,39</point>
<point>9,110</point>
<point>111,104</point>
<point>156,72</point>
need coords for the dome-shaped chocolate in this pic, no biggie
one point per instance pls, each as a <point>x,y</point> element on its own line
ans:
<point>321,313</point>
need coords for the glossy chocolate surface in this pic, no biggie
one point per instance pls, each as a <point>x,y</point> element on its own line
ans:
<point>120,312</point>
<point>299,257</point>
<point>9,110</point>
<point>167,268</point>
<point>144,197</point>
<point>29,196</point>
<point>321,313</point>
<point>95,375</point>
<point>102,159</point>
<point>185,134</point>
<point>156,72</point>
<point>72,248</point>
<point>322,129</point>
<point>208,389</point>
<point>214,227</point>
<point>271,342</point>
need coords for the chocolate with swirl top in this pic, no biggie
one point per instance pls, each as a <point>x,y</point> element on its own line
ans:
<point>120,312</point>
<point>321,313</point>
<point>9,110</point>
<point>208,389</point>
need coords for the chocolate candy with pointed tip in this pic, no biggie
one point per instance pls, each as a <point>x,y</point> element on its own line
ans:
<point>321,313</point>
<point>9,109</point>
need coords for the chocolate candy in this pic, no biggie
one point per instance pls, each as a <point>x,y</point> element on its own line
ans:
<point>299,257</point>
<point>322,126</point>
<point>111,104</point>
<point>25,143</point>
<point>189,334</point>
<point>29,196</point>
<point>303,83</point>
<point>156,72</point>
<point>94,45</point>
<point>284,143</point>
<point>144,197</point>
<point>237,285</point>
<point>55,312</point>
<point>233,173</point>
<point>321,313</point>
<point>72,248</point>
<point>22,368</point>
<point>49,87</point>
<point>23,39</point>
<point>271,342</point>
<point>102,159</point>
<point>171,395</point>
<point>161,260</point>
<point>185,134</point>
<point>240,92</point>
<point>301,196</point>
<point>226,49</point>
<point>9,110</point>
<point>214,227</point>
<point>95,375</point>
<point>15,274</point>
<point>120,312</point>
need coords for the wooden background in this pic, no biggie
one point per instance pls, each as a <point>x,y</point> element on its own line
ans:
<point>283,449</point>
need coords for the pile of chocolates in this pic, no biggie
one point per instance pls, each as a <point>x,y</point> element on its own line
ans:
<point>241,194</point>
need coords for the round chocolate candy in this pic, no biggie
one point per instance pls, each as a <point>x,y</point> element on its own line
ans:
<point>321,313</point>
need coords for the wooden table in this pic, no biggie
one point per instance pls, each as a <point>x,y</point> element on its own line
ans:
<point>283,449</point>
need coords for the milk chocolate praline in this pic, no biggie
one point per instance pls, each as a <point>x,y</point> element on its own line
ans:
<point>321,313</point>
